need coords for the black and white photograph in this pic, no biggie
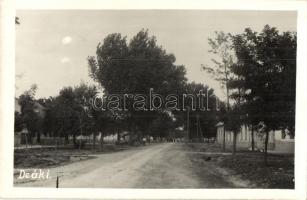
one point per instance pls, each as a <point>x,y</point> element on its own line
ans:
<point>155,99</point>
<point>153,102</point>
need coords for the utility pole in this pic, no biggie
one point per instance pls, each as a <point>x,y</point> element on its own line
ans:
<point>199,131</point>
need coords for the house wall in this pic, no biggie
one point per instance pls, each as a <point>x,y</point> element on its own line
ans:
<point>244,138</point>
<point>283,143</point>
<point>284,146</point>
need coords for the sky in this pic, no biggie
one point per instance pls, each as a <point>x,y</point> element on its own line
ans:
<point>52,46</point>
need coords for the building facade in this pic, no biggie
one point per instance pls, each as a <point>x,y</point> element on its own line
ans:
<point>279,141</point>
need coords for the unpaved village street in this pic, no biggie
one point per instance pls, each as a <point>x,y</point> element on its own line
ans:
<point>166,165</point>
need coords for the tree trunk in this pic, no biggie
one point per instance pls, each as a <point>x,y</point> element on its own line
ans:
<point>118,136</point>
<point>253,139</point>
<point>26,137</point>
<point>224,139</point>
<point>226,84</point>
<point>188,123</point>
<point>94,141</point>
<point>38,137</point>
<point>228,104</point>
<point>57,143</point>
<point>234,144</point>
<point>266,148</point>
<point>227,93</point>
<point>74,139</point>
<point>101,141</point>
<point>30,140</point>
<point>54,140</point>
<point>133,134</point>
<point>81,132</point>
<point>66,139</point>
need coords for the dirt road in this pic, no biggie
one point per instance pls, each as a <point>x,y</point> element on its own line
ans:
<point>167,165</point>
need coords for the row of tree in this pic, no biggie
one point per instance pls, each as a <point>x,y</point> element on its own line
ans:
<point>123,68</point>
<point>258,70</point>
<point>135,67</point>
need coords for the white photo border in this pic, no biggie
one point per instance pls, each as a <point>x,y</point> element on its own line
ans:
<point>7,55</point>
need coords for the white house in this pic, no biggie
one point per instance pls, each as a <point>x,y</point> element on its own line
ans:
<point>279,141</point>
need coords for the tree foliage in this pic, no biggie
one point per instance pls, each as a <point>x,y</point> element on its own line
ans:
<point>267,67</point>
<point>134,68</point>
<point>266,73</point>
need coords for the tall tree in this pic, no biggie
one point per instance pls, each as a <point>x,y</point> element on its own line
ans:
<point>29,117</point>
<point>221,48</point>
<point>202,118</point>
<point>267,65</point>
<point>134,68</point>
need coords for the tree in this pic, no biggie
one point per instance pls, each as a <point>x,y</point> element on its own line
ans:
<point>18,122</point>
<point>162,126</point>
<point>202,120</point>
<point>221,70</point>
<point>48,126</point>
<point>122,68</point>
<point>104,122</point>
<point>71,112</point>
<point>65,114</point>
<point>267,65</point>
<point>83,93</point>
<point>29,117</point>
<point>221,47</point>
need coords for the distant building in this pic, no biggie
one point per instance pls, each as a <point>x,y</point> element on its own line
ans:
<point>279,141</point>
<point>38,108</point>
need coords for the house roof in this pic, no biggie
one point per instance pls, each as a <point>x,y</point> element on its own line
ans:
<point>37,106</point>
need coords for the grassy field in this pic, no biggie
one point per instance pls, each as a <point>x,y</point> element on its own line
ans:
<point>51,157</point>
<point>249,166</point>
